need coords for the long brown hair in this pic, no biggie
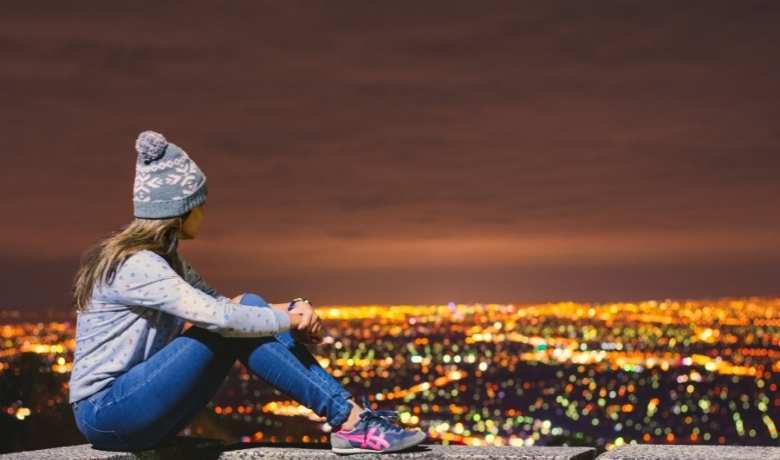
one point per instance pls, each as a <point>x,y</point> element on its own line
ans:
<point>100,261</point>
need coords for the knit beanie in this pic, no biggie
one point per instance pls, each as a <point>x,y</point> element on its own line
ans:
<point>167,182</point>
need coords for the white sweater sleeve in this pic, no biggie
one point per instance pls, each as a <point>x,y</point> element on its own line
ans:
<point>146,279</point>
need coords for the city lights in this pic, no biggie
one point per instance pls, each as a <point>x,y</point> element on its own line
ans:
<point>518,375</point>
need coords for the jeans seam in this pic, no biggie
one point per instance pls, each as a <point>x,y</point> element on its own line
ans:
<point>315,383</point>
<point>333,391</point>
<point>132,390</point>
<point>338,391</point>
<point>304,374</point>
<point>89,425</point>
<point>82,420</point>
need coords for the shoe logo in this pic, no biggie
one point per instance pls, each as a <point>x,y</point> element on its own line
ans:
<point>370,440</point>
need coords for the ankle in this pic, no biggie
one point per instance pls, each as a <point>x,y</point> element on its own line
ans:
<point>352,419</point>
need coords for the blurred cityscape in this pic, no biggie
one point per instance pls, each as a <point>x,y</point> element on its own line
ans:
<point>689,372</point>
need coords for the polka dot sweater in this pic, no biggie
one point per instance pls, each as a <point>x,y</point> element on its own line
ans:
<point>143,309</point>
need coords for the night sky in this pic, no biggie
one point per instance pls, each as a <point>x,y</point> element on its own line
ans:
<point>405,152</point>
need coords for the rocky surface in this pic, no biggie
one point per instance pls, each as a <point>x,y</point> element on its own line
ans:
<point>688,452</point>
<point>205,449</point>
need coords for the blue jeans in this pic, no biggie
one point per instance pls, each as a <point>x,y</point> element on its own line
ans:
<point>151,402</point>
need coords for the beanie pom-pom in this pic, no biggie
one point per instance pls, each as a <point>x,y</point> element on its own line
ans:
<point>150,145</point>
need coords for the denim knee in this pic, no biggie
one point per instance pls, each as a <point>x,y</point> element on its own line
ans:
<point>255,300</point>
<point>252,299</point>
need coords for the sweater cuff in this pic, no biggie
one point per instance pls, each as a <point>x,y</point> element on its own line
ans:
<point>282,319</point>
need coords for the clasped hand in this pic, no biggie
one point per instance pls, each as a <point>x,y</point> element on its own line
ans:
<point>305,325</point>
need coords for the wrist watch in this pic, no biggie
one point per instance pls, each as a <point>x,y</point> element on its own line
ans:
<point>297,299</point>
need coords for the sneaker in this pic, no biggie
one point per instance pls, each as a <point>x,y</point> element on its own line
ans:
<point>375,431</point>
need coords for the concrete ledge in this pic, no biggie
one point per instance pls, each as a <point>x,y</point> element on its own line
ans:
<point>691,452</point>
<point>199,448</point>
<point>206,449</point>
<point>181,448</point>
<point>425,451</point>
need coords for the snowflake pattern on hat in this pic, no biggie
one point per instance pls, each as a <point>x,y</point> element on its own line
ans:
<point>167,181</point>
<point>185,175</point>
<point>144,182</point>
